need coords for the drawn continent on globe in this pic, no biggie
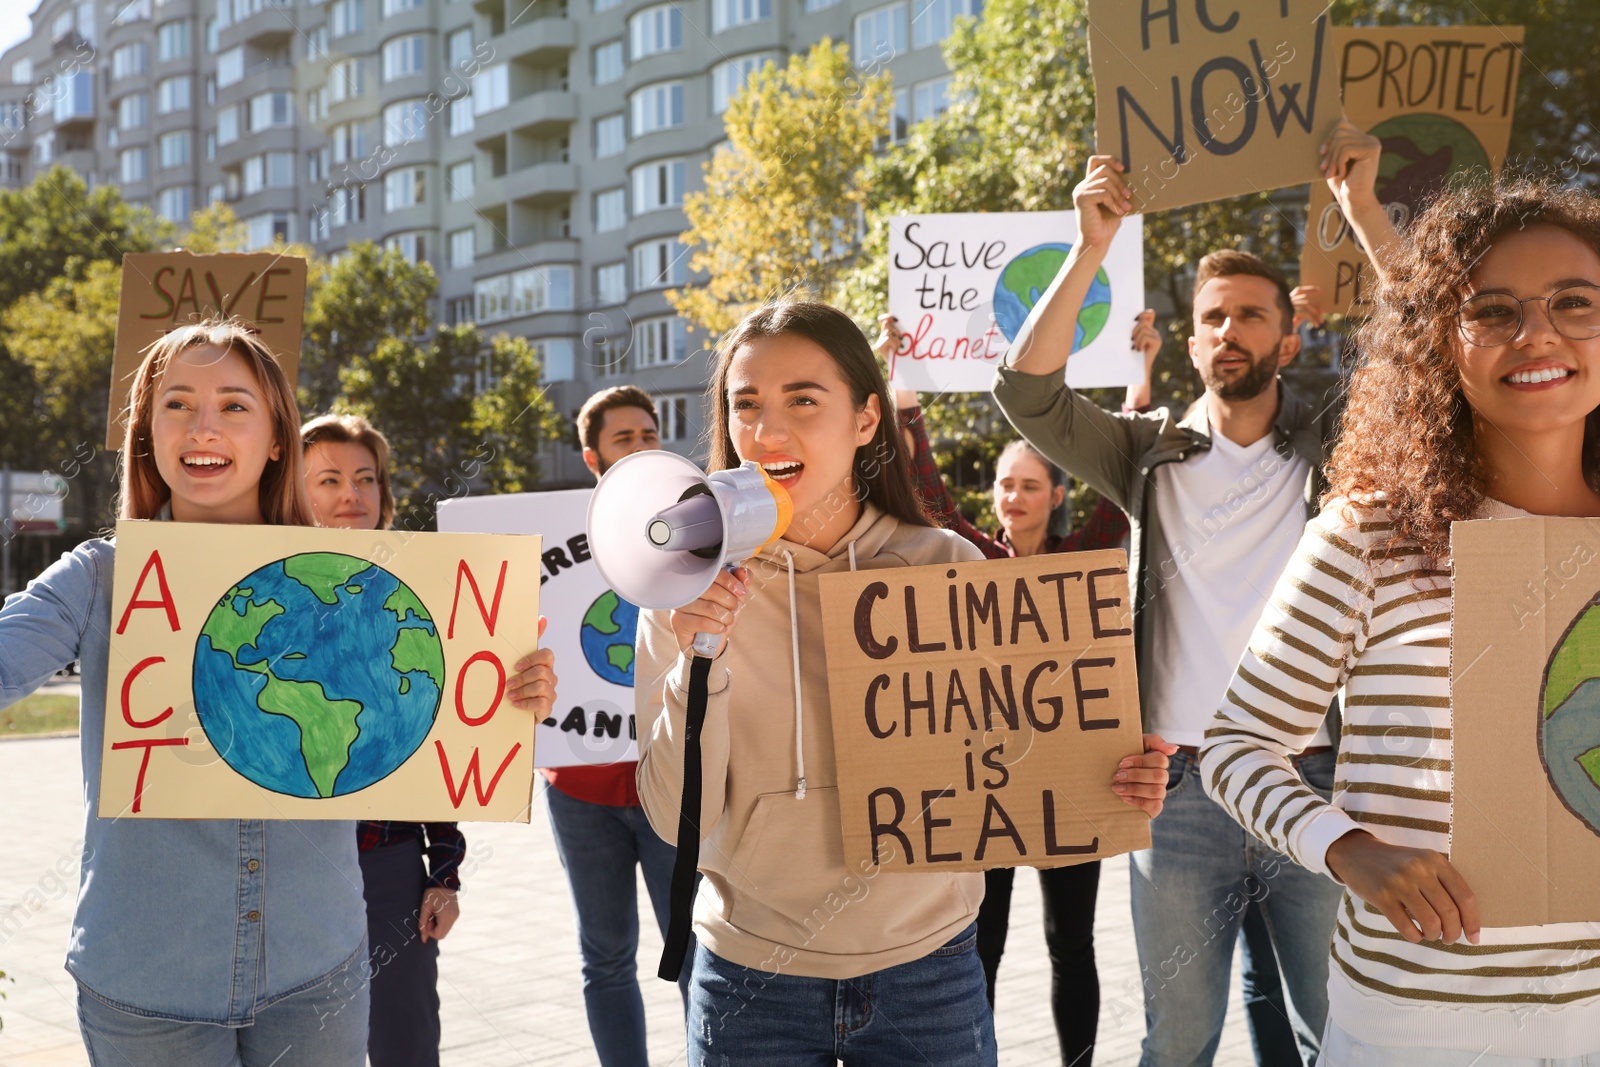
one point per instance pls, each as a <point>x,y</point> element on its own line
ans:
<point>1569,717</point>
<point>318,675</point>
<point>1024,280</point>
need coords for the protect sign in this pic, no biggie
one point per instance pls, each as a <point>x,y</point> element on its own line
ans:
<point>591,629</point>
<point>165,290</point>
<point>1440,98</point>
<point>285,672</point>
<point>1202,101</point>
<point>1525,699</point>
<point>980,711</point>
<point>962,284</point>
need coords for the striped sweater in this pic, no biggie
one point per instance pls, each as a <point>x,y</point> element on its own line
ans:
<point>1350,613</point>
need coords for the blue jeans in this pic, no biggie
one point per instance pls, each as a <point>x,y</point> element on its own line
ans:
<point>323,1026</point>
<point>1190,891</point>
<point>929,1011</point>
<point>599,846</point>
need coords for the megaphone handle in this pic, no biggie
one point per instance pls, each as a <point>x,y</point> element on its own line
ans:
<point>707,644</point>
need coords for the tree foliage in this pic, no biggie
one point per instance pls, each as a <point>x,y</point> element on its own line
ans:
<point>370,295</point>
<point>513,420</point>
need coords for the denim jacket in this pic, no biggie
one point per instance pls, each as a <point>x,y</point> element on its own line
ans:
<point>202,920</point>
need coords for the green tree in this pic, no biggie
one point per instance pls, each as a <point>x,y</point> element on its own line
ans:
<point>780,205</point>
<point>514,418</point>
<point>370,295</point>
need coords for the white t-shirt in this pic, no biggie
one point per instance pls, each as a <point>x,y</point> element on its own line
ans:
<point>1231,518</point>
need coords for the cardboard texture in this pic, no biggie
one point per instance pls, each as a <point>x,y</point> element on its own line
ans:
<point>980,711</point>
<point>287,672</point>
<point>1525,699</point>
<point>164,290</point>
<point>1441,100</point>
<point>1205,101</point>
<point>591,629</point>
<point>962,284</point>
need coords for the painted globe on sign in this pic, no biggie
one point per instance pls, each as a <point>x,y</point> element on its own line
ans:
<point>1569,717</point>
<point>607,638</point>
<point>1025,278</point>
<point>318,675</point>
<point>1420,154</point>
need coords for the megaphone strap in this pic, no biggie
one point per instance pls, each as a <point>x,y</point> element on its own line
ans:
<point>681,905</point>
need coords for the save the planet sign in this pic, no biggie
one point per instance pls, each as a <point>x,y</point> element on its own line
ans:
<point>1525,697</point>
<point>287,672</point>
<point>591,628</point>
<point>1440,98</point>
<point>962,284</point>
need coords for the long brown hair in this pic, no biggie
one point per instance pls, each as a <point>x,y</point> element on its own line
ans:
<point>882,472</point>
<point>1407,430</point>
<point>355,430</point>
<point>282,490</point>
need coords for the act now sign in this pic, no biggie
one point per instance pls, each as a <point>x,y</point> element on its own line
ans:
<point>279,672</point>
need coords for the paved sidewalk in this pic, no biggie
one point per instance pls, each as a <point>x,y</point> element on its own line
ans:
<point>509,971</point>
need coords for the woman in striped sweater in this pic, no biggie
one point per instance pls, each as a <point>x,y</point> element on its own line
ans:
<point>1479,397</point>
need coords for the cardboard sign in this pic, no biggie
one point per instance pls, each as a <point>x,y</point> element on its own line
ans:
<point>1202,101</point>
<point>980,711</point>
<point>1440,98</point>
<point>289,672</point>
<point>1525,696</point>
<point>164,290</point>
<point>962,284</point>
<point>591,629</point>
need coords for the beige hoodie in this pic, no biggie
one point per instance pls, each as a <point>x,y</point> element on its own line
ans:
<point>777,894</point>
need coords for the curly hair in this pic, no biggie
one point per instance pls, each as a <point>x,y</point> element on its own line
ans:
<point>1407,436</point>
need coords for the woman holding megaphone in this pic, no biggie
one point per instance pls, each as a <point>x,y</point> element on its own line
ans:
<point>892,976</point>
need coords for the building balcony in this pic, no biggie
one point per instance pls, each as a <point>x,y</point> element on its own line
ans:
<point>270,28</point>
<point>542,184</point>
<point>517,256</point>
<point>537,42</point>
<point>548,110</point>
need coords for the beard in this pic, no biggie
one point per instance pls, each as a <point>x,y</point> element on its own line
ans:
<point>1259,374</point>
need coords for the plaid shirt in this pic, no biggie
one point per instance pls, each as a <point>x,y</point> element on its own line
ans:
<point>444,844</point>
<point>1106,526</point>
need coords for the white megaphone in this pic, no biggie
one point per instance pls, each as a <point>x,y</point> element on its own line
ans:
<point>660,529</point>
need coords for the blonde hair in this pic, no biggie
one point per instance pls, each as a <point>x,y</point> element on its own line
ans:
<point>282,490</point>
<point>355,430</point>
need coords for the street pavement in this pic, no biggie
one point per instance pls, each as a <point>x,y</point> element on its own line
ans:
<point>509,971</point>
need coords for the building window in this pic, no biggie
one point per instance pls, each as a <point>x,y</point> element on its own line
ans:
<point>523,292</point>
<point>659,264</point>
<point>933,20</point>
<point>674,414</point>
<point>45,148</point>
<point>461,120</point>
<point>395,7</point>
<point>405,188</point>
<point>654,30</point>
<point>129,60</point>
<point>900,117</point>
<point>273,170</point>
<point>175,149</point>
<point>491,89</point>
<point>458,49</point>
<point>659,342</point>
<point>405,122</point>
<point>606,5</point>
<point>317,166</point>
<point>262,231</point>
<point>316,43</point>
<point>657,185</point>
<point>458,311</point>
<point>174,204</point>
<point>270,109</point>
<point>172,94</point>
<point>607,62</point>
<point>413,246</point>
<point>726,14</point>
<point>404,56</point>
<point>657,107</point>
<point>611,283</point>
<point>610,136</point>
<point>610,210</point>
<point>463,248</point>
<point>172,42</point>
<point>73,93</point>
<point>458,180</point>
<point>227,125</point>
<point>880,35</point>
<point>134,164</point>
<point>347,17</point>
<point>555,357</point>
<point>230,66</point>
<point>133,111</point>
<point>727,79</point>
<point>349,141</point>
<point>347,79</point>
<point>22,72</point>
<point>609,356</point>
<point>216,193</point>
<point>348,205</point>
<point>930,98</point>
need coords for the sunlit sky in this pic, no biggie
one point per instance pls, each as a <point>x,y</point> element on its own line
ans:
<point>14,21</point>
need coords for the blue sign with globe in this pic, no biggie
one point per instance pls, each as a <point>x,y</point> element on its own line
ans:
<point>1569,720</point>
<point>607,637</point>
<point>318,675</point>
<point>1026,277</point>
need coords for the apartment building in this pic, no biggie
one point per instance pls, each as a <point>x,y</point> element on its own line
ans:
<point>536,154</point>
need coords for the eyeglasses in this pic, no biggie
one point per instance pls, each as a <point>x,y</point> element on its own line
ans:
<point>1495,318</point>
